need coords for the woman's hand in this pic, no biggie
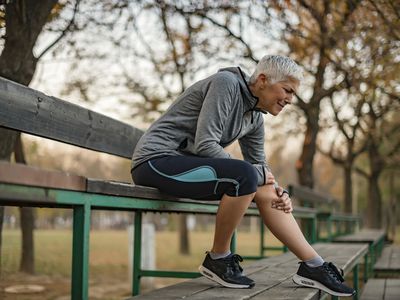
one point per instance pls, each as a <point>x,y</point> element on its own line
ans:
<point>284,202</point>
<point>270,179</point>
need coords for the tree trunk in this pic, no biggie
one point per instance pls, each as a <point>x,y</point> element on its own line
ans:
<point>392,211</point>
<point>1,231</point>
<point>27,263</point>
<point>304,164</point>
<point>374,206</point>
<point>27,214</point>
<point>24,20</point>
<point>183,235</point>
<point>348,190</point>
<point>7,141</point>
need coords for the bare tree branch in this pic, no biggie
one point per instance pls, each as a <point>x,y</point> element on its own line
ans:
<point>64,32</point>
<point>249,54</point>
<point>362,172</point>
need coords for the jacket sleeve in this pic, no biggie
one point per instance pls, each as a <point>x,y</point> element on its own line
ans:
<point>216,108</point>
<point>252,146</point>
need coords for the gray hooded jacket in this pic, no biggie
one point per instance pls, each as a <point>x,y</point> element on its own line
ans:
<point>207,117</point>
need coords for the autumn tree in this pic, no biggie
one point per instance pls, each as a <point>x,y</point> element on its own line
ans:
<point>368,64</point>
<point>313,30</point>
<point>21,23</point>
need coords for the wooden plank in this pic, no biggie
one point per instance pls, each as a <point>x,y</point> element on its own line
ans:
<point>374,290</point>
<point>273,277</point>
<point>344,257</point>
<point>306,194</point>
<point>33,176</point>
<point>381,289</point>
<point>125,189</point>
<point>33,112</point>
<point>392,289</point>
<point>288,290</point>
<point>363,236</point>
<point>202,288</point>
<point>389,260</point>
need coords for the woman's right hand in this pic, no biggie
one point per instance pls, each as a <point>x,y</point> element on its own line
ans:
<point>270,179</point>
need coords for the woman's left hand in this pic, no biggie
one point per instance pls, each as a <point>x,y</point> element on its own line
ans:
<point>284,202</point>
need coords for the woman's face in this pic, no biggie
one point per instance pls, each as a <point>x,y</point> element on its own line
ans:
<point>274,97</point>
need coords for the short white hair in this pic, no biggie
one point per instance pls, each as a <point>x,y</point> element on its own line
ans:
<point>277,68</point>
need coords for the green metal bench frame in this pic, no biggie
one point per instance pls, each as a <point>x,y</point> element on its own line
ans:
<point>82,204</point>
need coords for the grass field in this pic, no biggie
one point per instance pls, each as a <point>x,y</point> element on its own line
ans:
<point>109,276</point>
<point>108,259</point>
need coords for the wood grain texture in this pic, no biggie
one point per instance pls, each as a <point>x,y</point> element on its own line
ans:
<point>32,176</point>
<point>306,194</point>
<point>363,236</point>
<point>33,112</point>
<point>389,260</point>
<point>273,277</point>
<point>381,289</point>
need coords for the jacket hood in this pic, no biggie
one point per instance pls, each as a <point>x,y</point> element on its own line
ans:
<point>250,100</point>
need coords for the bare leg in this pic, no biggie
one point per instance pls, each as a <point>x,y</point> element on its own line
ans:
<point>282,225</point>
<point>229,215</point>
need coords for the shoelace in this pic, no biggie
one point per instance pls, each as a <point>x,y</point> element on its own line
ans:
<point>233,262</point>
<point>334,271</point>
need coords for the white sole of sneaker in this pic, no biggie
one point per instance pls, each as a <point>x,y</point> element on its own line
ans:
<point>212,276</point>
<point>300,280</point>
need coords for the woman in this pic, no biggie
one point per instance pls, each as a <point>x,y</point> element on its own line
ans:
<point>182,154</point>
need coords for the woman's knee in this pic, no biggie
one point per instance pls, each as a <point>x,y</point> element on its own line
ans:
<point>265,194</point>
<point>248,178</point>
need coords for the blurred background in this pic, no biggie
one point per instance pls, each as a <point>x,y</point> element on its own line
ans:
<point>130,59</point>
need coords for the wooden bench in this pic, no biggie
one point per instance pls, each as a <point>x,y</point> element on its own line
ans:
<point>273,277</point>
<point>30,111</point>
<point>336,223</point>
<point>375,240</point>
<point>388,265</point>
<point>381,289</point>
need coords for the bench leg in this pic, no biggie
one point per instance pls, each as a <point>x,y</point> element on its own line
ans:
<point>366,267</point>
<point>262,238</point>
<point>313,230</point>
<point>137,254</point>
<point>329,229</point>
<point>80,252</point>
<point>371,265</point>
<point>233,242</point>
<point>355,281</point>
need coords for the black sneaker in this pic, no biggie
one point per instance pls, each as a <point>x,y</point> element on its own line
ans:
<point>226,271</point>
<point>326,277</point>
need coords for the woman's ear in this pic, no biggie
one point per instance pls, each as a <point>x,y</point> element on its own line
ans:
<point>263,80</point>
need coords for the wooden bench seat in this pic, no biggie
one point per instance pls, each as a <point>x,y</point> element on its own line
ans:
<point>370,236</point>
<point>374,238</point>
<point>388,265</point>
<point>273,277</point>
<point>381,289</point>
<point>24,175</point>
